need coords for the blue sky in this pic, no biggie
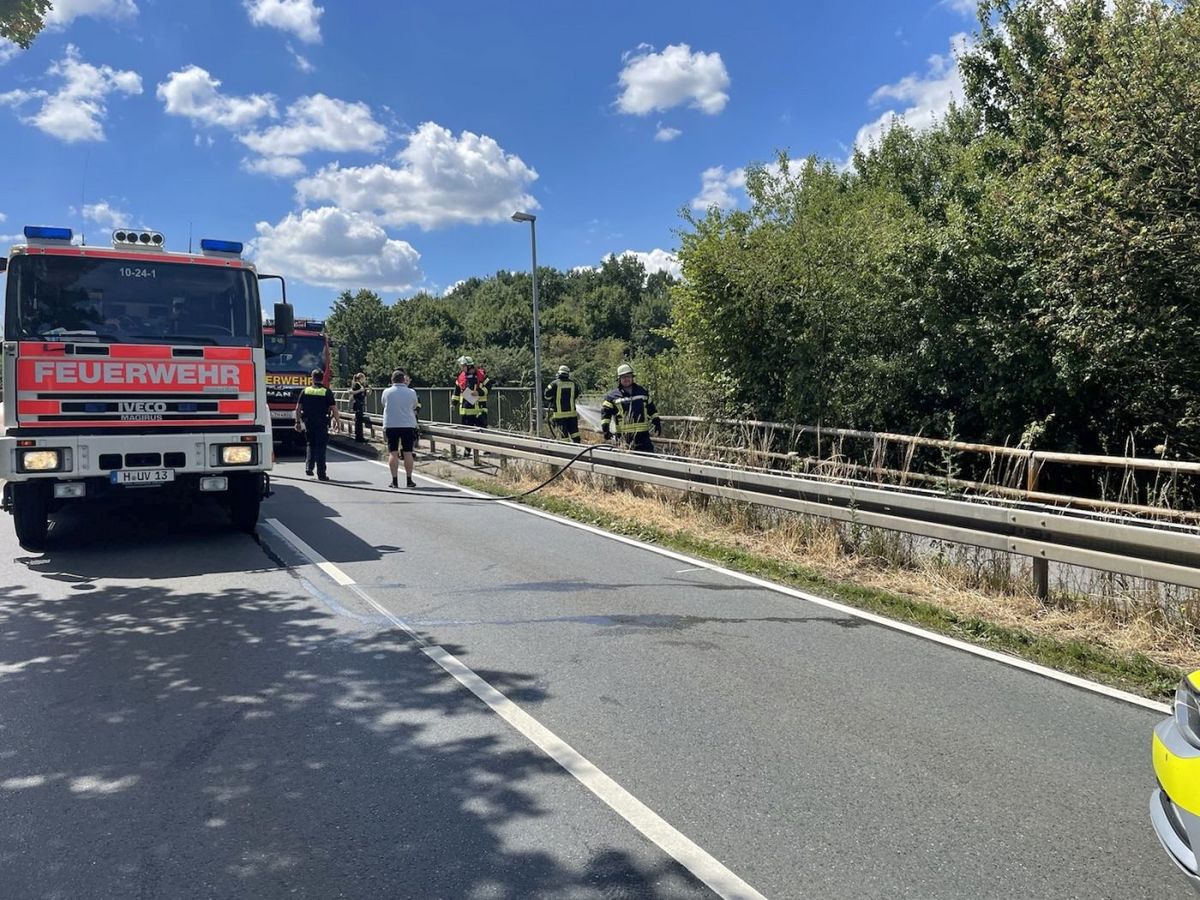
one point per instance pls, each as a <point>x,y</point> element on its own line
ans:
<point>384,145</point>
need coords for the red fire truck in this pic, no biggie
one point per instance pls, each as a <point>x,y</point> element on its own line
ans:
<point>130,368</point>
<point>291,359</point>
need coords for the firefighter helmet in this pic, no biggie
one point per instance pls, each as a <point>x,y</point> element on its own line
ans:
<point>564,370</point>
<point>624,369</point>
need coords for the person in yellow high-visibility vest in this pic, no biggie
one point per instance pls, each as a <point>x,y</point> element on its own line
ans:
<point>629,413</point>
<point>560,400</point>
<point>470,393</point>
<point>315,411</point>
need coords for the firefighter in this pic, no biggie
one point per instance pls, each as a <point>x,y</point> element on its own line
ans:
<point>471,392</point>
<point>315,412</point>
<point>629,413</point>
<point>560,400</point>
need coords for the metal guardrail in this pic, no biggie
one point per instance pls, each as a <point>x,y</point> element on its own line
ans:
<point>1024,474</point>
<point>1153,550</point>
<point>507,407</point>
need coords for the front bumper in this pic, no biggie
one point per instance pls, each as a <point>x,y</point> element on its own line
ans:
<point>1175,804</point>
<point>95,456</point>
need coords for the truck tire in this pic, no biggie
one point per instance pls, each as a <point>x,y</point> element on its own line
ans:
<point>31,514</point>
<point>245,498</point>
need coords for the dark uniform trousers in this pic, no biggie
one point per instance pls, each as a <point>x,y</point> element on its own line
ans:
<point>314,406</point>
<point>639,440</point>
<point>569,427</point>
<point>317,441</point>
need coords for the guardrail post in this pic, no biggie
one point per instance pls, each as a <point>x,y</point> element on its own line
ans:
<point>1041,566</point>
<point>475,458</point>
<point>1041,578</point>
<point>1033,471</point>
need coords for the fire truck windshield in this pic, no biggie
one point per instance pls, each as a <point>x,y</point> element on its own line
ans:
<point>297,353</point>
<point>153,299</point>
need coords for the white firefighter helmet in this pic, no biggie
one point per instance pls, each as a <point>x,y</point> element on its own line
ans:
<point>466,361</point>
<point>624,369</point>
<point>564,370</point>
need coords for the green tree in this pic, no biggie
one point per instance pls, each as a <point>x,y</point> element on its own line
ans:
<point>357,322</point>
<point>22,20</point>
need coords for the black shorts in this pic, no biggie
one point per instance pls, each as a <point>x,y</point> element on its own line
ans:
<point>400,439</point>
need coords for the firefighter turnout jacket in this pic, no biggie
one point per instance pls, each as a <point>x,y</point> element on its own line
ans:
<point>628,411</point>
<point>471,393</point>
<point>560,399</point>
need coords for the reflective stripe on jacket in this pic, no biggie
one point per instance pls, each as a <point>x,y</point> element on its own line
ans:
<point>482,385</point>
<point>628,411</point>
<point>560,397</point>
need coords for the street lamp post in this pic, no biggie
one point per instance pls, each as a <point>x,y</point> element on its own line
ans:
<point>537,327</point>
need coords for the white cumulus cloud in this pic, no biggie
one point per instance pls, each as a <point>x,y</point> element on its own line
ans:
<point>963,7</point>
<point>275,166</point>
<point>717,188</point>
<point>8,50</point>
<point>76,111</point>
<point>64,12</point>
<point>666,133</point>
<point>438,179</point>
<point>298,17</point>
<point>319,123</point>
<point>334,248</point>
<point>923,99</point>
<point>195,94</point>
<point>656,260</point>
<point>656,82</point>
<point>104,213</point>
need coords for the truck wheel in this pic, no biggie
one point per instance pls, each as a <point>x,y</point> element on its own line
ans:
<point>245,498</point>
<point>31,514</point>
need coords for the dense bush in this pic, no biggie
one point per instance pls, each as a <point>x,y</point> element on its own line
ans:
<point>1029,269</point>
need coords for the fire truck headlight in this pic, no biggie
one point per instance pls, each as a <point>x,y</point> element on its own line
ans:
<point>39,460</point>
<point>237,455</point>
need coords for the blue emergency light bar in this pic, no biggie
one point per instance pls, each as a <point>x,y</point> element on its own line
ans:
<point>43,233</point>
<point>211,246</point>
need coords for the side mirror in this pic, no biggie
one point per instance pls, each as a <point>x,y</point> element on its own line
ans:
<point>285,319</point>
<point>3,263</point>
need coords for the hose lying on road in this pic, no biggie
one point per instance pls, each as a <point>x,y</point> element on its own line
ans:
<point>391,491</point>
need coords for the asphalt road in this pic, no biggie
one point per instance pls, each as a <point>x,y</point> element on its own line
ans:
<point>189,712</point>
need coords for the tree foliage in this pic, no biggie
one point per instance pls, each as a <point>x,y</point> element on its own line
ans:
<point>1029,268</point>
<point>592,321</point>
<point>22,20</point>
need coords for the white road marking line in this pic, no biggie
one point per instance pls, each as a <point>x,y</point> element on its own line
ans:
<point>685,571</point>
<point>308,552</point>
<point>1003,658</point>
<point>658,830</point>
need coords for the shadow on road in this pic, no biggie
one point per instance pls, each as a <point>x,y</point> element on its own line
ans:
<point>159,743</point>
<point>90,541</point>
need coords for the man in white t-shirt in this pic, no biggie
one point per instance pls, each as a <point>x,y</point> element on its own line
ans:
<point>400,405</point>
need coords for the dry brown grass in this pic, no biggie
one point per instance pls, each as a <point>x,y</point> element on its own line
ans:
<point>1121,614</point>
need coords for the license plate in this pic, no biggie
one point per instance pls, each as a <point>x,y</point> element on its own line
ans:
<point>142,476</point>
